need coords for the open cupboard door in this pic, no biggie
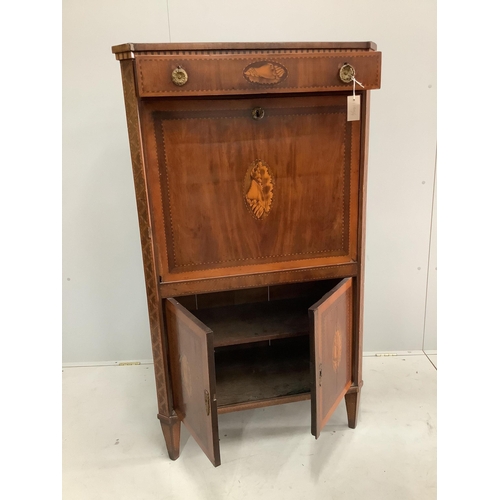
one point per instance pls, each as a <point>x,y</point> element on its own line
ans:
<point>192,366</point>
<point>331,352</point>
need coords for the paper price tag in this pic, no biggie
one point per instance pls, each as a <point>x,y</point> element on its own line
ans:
<point>353,108</point>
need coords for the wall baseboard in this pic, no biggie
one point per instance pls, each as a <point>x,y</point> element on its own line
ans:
<point>367,354</point>
<point>83,364</point>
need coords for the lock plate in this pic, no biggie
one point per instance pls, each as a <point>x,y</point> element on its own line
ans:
<point>258,113</point>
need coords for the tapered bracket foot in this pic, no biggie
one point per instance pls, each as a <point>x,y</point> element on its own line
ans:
<point>171,428</point>
<point>352,405</point>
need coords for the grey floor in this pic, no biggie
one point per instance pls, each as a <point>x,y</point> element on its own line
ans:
<point>113,447</point>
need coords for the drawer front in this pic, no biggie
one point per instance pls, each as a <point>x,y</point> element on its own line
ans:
<point>253,73</point>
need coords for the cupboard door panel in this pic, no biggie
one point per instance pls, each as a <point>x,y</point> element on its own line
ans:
<point>192,366</point>
<point>331,352</point>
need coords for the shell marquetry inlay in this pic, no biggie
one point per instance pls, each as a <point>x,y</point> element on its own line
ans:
<point>258,189</point>
<point>265,72</point>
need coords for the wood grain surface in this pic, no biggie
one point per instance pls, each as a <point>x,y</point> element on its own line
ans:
<point>331,353</point>
<point>192,365</point>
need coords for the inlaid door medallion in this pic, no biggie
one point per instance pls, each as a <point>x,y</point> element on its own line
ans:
<point>337,349</point>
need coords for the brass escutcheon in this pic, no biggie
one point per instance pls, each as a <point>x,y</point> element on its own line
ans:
<point>347,73</point>
<point>179,76</point>
<point>258,113</point>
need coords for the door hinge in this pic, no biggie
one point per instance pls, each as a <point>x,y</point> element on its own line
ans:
<point>207,402</point>
<point>320,373</point>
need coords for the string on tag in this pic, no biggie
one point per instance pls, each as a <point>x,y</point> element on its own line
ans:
<point>354,81</point>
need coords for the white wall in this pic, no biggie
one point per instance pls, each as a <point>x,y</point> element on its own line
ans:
<point>430,330</point>
<point>105,316</point>
<point>104,304</point>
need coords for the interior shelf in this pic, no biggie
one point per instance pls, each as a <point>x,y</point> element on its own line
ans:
<point>245,323</point>
<point>262,374</point>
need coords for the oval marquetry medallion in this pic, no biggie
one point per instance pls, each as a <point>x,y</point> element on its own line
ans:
<point>258,189</point>
<point>265,72</point>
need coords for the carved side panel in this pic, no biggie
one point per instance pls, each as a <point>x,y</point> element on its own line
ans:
<point>150,275</point>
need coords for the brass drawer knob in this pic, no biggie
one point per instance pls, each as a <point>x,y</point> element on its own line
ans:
<point>347,73</point>
<point>179,76</point>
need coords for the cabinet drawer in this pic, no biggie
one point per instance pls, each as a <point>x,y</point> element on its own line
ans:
<point>214,74</point>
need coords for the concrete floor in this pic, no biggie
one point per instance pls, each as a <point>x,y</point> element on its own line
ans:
<point>113,447</point>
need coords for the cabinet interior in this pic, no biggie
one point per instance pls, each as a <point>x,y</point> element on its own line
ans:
<point>263,372</point>
<point>261,341</point>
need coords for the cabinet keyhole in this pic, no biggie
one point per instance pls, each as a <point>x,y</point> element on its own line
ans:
<point>257,113</point>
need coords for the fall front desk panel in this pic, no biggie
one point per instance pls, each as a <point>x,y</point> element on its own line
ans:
<point>250,185</point>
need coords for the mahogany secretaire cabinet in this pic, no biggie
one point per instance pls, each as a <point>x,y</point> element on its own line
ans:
<point>250,176</point>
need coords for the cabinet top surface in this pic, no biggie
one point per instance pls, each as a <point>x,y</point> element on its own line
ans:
<point>148,47</point>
